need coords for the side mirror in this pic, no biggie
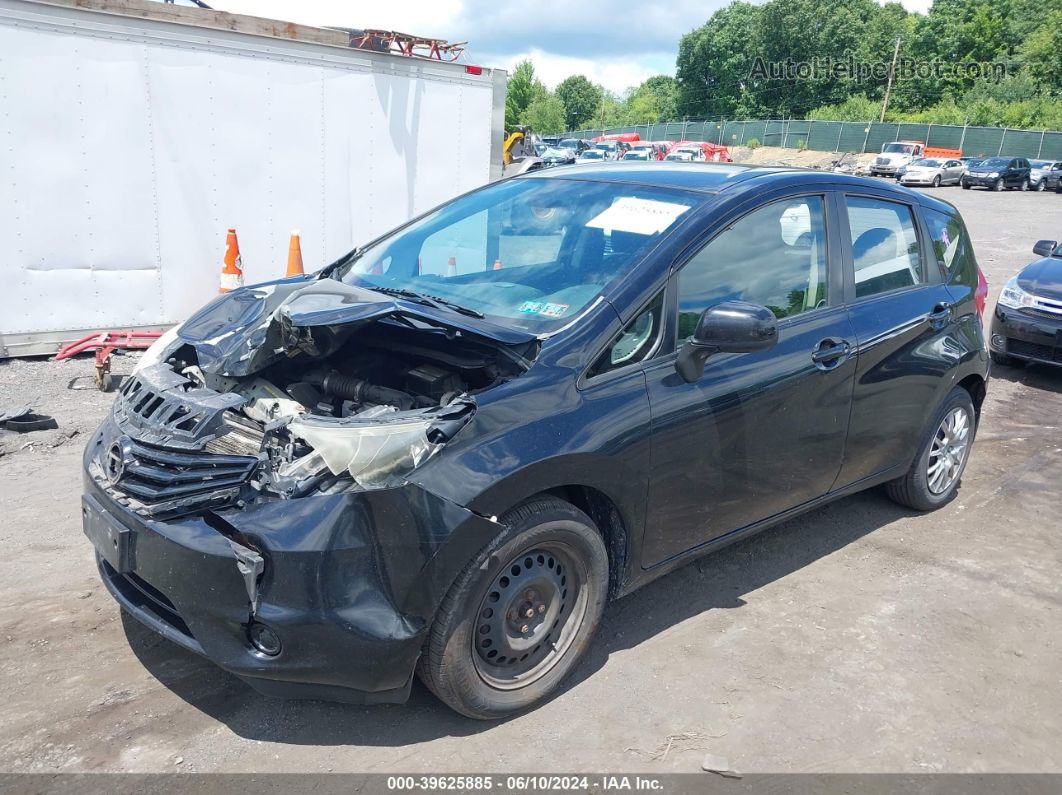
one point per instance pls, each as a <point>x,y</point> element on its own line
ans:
<point>1045,248</point>
<point>729,327</point>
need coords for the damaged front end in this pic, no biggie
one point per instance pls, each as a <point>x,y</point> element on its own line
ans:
<point>333,388</point>
<point>252,482</point>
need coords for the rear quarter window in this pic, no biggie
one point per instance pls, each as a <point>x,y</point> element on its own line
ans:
<point>951,247</point>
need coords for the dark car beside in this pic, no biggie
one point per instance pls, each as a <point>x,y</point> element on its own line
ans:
<point>1027,322</point>
<point>445,452</point>
<point>998,173</point>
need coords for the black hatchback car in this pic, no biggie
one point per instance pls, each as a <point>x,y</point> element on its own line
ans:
<point>446,451</point>
<point>998,173</point>
<point>1027,322</point>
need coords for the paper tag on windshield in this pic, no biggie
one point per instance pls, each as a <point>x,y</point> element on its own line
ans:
<point>640,216</point>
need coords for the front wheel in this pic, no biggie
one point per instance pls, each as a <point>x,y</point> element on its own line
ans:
<point>934,476</point>
<point>936,181</point>
<point>998,185</point>
<point>1001,359</point>
<point>965,184</point>
<point>1040,186</point>
<point>521,614</point>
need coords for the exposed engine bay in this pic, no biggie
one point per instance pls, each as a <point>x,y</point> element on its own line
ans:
<point>340,408</point>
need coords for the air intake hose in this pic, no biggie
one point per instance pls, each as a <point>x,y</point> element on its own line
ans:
<point>333,382</point>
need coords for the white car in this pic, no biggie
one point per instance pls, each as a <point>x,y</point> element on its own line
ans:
<point>680,155</point>
<point>592,156</point>
<point>639,154</point>
<point>933,171</point>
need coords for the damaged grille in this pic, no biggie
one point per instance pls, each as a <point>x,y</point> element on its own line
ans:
<point>172,481</point>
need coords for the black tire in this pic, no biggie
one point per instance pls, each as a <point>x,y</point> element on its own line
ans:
<point>544,531</point>
<point>913,489</point>
<point>1001,359</point>
<point>1024,185</point>
<point>998,185</point>
<point>936,181</point>
<point>1040,186</point>
<point>965,184</point>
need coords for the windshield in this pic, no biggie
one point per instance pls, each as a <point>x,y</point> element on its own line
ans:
<point>905,149</point>
<point>556,151</point>
<point>636,156</point>
<point>592,154</point>
<point>1039,163</point>
<point>606,145</point>
<point>526,253</point>
<point>928,162</point>
<point>994,162</point>
<point>570,143</point>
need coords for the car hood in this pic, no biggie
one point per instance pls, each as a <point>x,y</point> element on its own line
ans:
<point>1043,278</point>
<point>241,332</point>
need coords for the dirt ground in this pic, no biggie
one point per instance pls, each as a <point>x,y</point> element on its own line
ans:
<point>859,638</point>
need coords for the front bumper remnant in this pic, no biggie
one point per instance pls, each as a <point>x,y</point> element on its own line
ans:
<point>347,582</point>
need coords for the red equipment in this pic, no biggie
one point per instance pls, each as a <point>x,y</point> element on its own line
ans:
<point>408,45</point>
<point>625,137</point>
<point>105,343</point>
<point>714,153</point>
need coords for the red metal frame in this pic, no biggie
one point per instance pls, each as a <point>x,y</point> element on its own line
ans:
<point>407,45</point>
<point>105,343</point>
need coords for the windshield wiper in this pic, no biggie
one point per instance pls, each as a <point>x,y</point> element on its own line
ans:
<point>428,300</point>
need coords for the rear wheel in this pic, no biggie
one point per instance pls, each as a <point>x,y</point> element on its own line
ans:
<point>936,472</point>
<point>1024,185</point>
<point>521,614</point>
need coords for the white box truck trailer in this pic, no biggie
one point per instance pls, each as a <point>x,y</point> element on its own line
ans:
<point>135,133</point>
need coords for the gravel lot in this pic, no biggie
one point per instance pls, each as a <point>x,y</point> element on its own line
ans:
<point>859,638</point>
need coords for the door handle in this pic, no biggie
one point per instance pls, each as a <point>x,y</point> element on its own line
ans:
<point>940,314</point>
<point>830,353</point>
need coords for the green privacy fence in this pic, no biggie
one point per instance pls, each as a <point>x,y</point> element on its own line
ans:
<point>850,136</point>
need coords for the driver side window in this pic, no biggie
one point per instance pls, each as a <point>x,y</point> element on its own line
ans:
<point>775,256</point>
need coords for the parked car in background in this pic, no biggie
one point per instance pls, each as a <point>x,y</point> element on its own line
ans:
<point>447,451</point>
<point>577,145</point>
<point>897,155</point>
<point>1027,322</point>
<point>594,155</point>
<point>643,154</point>
<point>998,173</point>
<point>558,156</point>
<point>933,171</point>
<point>551,140</point>
<point>1038,169</point>
<point>1052,179</point>
<point>683,156</point>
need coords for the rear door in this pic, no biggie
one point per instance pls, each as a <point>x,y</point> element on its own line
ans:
<point>901,313</point>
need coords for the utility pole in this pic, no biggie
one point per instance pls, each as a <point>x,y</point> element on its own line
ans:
<point>888,86</point>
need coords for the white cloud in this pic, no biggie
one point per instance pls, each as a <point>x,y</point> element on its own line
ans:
<point>615,74</point>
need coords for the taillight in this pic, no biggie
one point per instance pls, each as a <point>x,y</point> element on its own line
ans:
<point>981,293</point>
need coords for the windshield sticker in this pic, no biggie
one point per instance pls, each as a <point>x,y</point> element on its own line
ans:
<point>639,216</point>
<point>543,308</point>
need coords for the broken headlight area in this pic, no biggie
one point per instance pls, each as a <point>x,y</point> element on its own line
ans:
<point>360,414</point>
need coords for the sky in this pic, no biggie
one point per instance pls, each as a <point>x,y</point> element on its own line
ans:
<point>618,43</point>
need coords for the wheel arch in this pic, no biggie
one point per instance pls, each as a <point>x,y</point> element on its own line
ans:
<point>978,389</point>
<point>609,521</point>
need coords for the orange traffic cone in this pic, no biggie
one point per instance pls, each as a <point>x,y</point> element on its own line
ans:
<point>294,255</point>
<point>497,265</point>
<point>232,271</point>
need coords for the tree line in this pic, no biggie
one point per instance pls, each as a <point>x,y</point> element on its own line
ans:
<point>720,68</point>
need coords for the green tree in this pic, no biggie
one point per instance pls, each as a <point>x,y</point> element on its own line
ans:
<point>714,62</point>
<point>581,99</point>
<point>1042,52</point>
<point>545,114</point>
<point>520,92</point>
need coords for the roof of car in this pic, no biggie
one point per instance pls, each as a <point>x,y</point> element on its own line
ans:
<point>715,178</point>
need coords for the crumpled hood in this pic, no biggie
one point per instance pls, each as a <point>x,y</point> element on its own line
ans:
<point>241,332</point>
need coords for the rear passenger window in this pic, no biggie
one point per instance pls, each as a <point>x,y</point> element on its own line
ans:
<point>951,247</point>
<point>885,249</point>
<point>775,256</point>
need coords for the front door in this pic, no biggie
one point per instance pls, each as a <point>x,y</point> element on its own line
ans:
<point>758,433</point>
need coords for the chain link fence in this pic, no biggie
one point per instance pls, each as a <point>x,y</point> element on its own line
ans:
<point>849,136</point>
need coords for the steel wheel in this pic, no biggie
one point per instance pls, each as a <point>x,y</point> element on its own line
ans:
<point>998,185</point>
<point>1024,185</point>
<point>529,616</point>
<point>1040,186</point>
<point>936,181</point>
<point>949,449</point>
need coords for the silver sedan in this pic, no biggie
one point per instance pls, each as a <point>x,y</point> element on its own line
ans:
<point>933,171</point>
